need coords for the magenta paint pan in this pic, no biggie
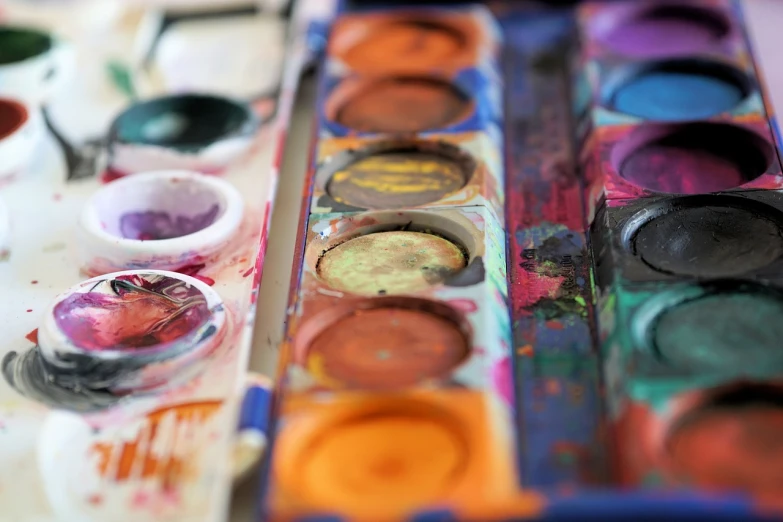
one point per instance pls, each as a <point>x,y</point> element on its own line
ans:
<point>692,158</point>
<point>118,335</point>
<point>648,30</point>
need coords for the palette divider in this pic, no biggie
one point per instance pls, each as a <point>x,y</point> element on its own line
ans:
<point>557,370</point>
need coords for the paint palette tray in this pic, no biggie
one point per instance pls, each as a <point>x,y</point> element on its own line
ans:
<point>133,223</point>
<point>585,331</point>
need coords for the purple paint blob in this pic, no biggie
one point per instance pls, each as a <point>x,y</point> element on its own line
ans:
<point>665,31</point>
<point>157,225</point>
<point>138,312</point>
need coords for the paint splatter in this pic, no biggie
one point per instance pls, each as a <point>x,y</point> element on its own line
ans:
<point>503,379</point>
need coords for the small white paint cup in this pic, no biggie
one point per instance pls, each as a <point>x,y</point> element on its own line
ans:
<point>33,63</point>
<point>103,333</point>
<point>21,129</point>
<point>197,132</point>
<point>163,220</point>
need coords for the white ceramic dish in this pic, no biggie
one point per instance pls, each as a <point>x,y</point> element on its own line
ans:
<point>161,220</point>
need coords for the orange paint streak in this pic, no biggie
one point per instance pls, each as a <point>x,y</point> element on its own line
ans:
<point>169,470</point>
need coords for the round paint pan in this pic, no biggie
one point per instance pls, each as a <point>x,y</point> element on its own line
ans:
<point>676,90</point>
<point>384,343</point>
<point>378,456</point>
<point>398,104</point>
<point>406,43</point>
<point>163,220</point>
<point>187,131</point>
<point>393,253</point>
<point>691,158</point>
<point>21,129</point>
<point>131,332</point>
<point>721,326</point>
<point>728,439</point>
<point>661,29</point>
<point>396,174</point>
<point>708,236</point>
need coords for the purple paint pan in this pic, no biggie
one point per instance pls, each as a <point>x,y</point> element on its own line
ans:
<point>161,220</point>
<point>646,30</point>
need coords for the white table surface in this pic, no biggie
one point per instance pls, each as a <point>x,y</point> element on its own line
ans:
<point>766,20</point>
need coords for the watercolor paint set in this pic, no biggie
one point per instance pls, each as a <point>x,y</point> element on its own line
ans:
<point>135,198</point>
<point>538,275</point>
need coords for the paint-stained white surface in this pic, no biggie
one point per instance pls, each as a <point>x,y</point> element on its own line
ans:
<point>113,466</point>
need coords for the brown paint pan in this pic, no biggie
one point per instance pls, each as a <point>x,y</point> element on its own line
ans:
<point>383,343</point>
<point>397,104</point>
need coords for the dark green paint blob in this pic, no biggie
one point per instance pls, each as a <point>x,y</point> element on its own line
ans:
<point>187,122</point>
<point>732,331</point>
<point>18,44</point>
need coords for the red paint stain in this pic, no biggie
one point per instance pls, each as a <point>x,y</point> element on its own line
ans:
<point>503,378</point>
<point>248,271</point>
<point>57,197</point>
<point>110,175</point>
<point>193,271</point>
<point>34,282</point>
<point>32,337</point>
<point>263,242</point>
<point>532,288</point>
<point>29,310</point>
<point>467,306</point>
